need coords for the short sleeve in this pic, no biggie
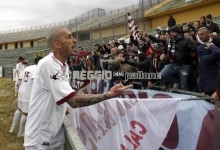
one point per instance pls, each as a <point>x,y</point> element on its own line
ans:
<point>56,81</point>
<point>17,67</point>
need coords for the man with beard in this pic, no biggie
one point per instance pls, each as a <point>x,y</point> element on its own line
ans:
<point>210,25</point>
<point>179,53</point>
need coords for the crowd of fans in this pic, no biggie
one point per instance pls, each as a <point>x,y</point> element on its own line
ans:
<point>186,56</point>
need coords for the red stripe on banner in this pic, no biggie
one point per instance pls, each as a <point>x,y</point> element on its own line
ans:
<point>205,140</point>
<point>172,139</point>
<point>63,100</point>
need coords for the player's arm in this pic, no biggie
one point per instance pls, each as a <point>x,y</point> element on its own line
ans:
<point>16,70</point>
<point>81,100</point>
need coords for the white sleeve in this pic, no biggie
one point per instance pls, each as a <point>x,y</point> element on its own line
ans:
<point>57,82</point>
<point>21,76</point>
<point>17,67</point>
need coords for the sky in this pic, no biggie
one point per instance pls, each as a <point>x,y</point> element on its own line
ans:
<point>17,14</point>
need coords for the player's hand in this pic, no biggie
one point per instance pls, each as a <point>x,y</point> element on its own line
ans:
<point>150,84</point>
<point>214,97</point>
<point>117,90</point>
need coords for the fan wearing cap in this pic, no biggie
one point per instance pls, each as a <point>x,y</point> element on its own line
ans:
<point>179,53</point>
<point>153,50</point>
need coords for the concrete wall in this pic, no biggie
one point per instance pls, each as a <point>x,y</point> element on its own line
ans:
<point>188,15</point>
<point>120,29</point>
<point>26,44</point>
<point>182,15</point>
<point>110,31</point>
<point>10,46</point>
<point>72,140</point>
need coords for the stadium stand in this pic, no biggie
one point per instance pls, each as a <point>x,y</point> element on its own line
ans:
<point>82,23</point>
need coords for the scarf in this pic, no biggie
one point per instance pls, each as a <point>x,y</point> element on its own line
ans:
<point>172,42</point>
<point>201,42</point>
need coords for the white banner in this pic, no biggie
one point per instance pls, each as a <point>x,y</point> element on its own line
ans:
<point>124,123</point>
<point>110,125</point>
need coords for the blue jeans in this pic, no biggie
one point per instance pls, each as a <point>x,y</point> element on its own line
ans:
<point>182,71</point>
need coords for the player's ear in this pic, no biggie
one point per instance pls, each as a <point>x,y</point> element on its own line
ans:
<point>56,44</point>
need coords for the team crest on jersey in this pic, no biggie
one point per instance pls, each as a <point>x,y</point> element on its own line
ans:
<point>60,76</point>
<point>54,76</point>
